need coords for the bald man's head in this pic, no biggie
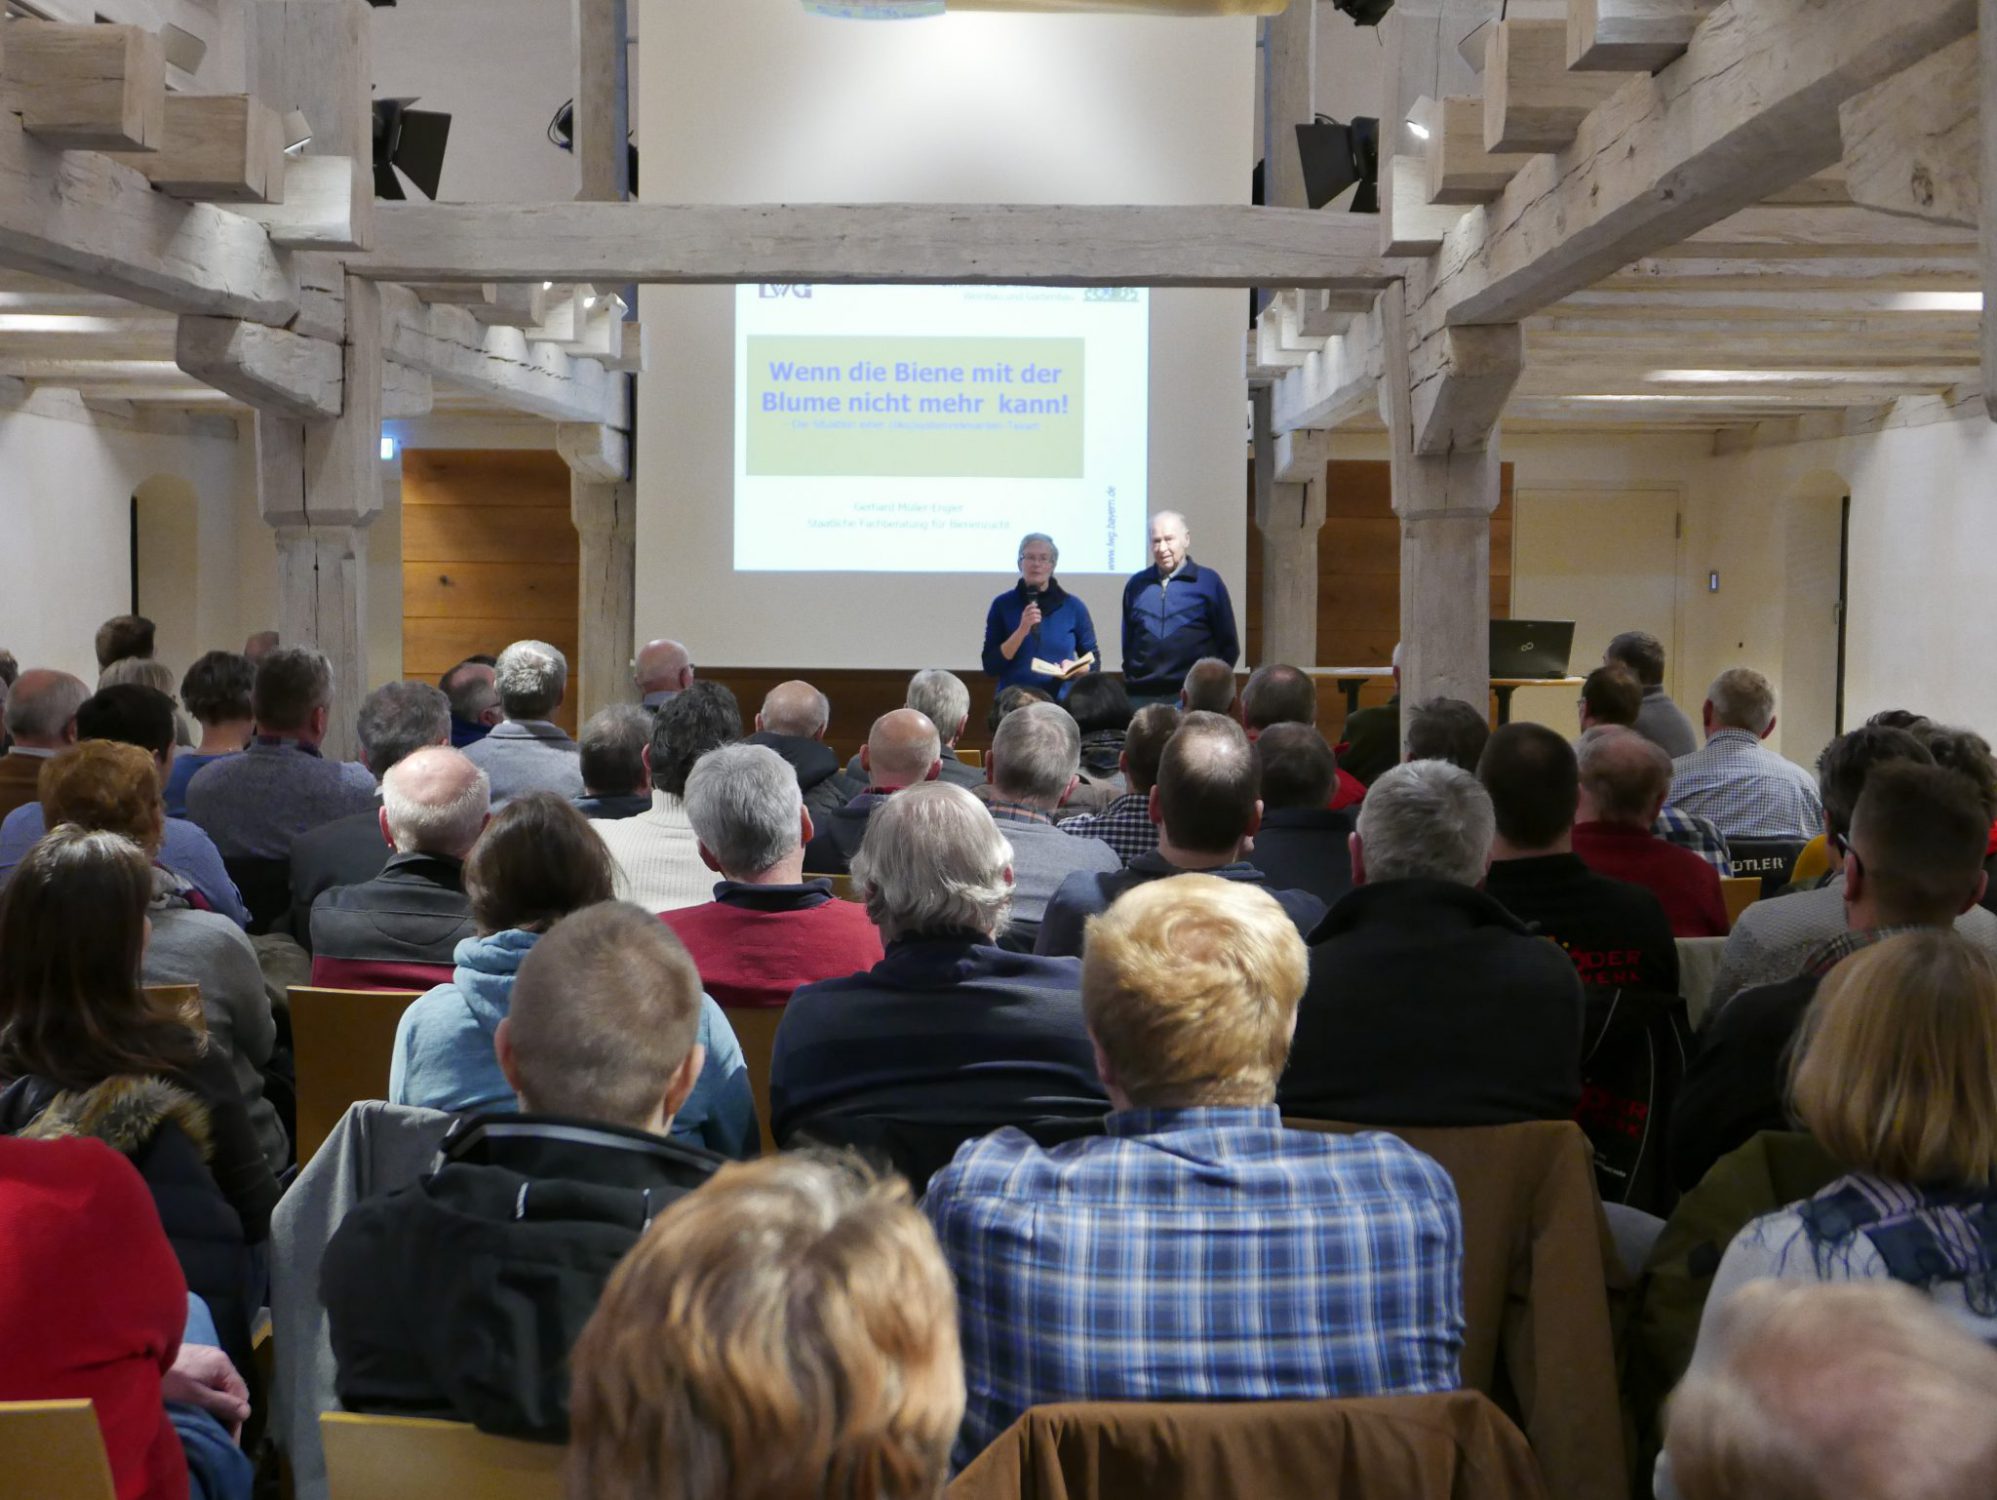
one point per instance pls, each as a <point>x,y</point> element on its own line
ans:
<point>903,749</point>
<point>794,708</point>
<point>434,801</point>
<point>663,667</point>
<point>1624,778</point>
<point>41,709</point>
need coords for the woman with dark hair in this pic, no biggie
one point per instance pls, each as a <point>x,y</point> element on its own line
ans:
<point>538,860</point>
<point>216,690</point>
<point>83,1052</point>
<point>1101,709</point>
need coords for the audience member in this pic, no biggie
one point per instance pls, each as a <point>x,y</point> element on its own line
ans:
<point>106,787</point>
<point>83,1052</point>
<point>1207,808</point>
<point>1834,1393</point>
<point>611,754</point>
<point>1966,751</point>
<point>10,669</point>
<point>1125,825</point>
<point>253,805</point>
<point>1198,1216</point>
<point>124,636</point>
<point>1302,844</point>
<point>768,929</point>
<point>1373,735</point>
<point>788,1330</point>
<point>662,670</point>
<point>1697,835</point>
<point>1007,699</point>
<point>1914,859</point>
<point>1101,711</point>
<point>655,855</point>
<point>472,687</point>
<point>537,861</point>
<point>1035,758</point>
<point>1748,791</point>
<point>1658,719</point>
<point>792,722</point>
<point>460,1295</point>
<point>1611,697</point>
<point>1429,1003</point>
<point>1279,694</point>
<point>1624,781</point>
<point>979,1035</point>
<point>216,690</point>
<point>946,701</point>
<point>1209,688</point>
<point>396,720</point>
<point>144,671</point>
<point>1616,933</point>
<point>41,720</point>
<point>1448,729</point>
<point>137,716</point>
<point>400,930</point>
<point>903,749</point>
<point>260,643</point>
<point>527,751</point>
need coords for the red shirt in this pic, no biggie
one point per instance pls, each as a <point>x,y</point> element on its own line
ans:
<point>92,1301</point>
<point>754,945</point>
<point>1685,883</point>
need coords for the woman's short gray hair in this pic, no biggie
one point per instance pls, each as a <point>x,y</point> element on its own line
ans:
<point>531,676</point>
<point>1427,819</point>
<point>743,802</point>
<point>1038,536</point>
<point>934,861</point>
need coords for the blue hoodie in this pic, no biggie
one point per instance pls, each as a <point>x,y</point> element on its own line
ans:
<point>444,1057</point>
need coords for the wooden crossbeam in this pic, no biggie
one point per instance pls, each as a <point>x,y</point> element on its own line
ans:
<point>216,148</point>
<point>1456,402</point>
<point>1335,385</point>
<point>498,362</point>
<point>1457,167</point>
<point>1630,36</point>
<point>266,368</point>
<point>1531,101</point>
<point>969,244</point>
<point>89,88</point>
<point>1912,146</point>
<point>317,211</point>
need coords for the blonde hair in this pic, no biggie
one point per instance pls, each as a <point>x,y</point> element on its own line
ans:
<point>788,1330</point>
<point>1190,987</point>
<point>1896,1065</point>
<point>1835,1391</point>
<point>106,786</point>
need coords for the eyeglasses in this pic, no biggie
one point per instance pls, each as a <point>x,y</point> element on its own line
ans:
<point>1845,851</point>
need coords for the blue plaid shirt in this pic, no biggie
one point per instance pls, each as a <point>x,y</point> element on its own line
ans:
<point>1747,790</point>
<point>1676,826</point>
<point>1125,825</point>
<point>1198,1255</point>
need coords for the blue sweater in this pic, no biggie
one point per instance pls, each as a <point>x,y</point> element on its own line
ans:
<point>1170,624</point>
<point>1066,633</point>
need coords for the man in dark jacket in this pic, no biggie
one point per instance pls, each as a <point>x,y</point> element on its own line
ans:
<point>460,1296</point>
<point>1174,613</point>
<point>400,929</point>
<point>792,722</point>
<point>903,749</point>
<point>1429,1003</point>
<point>941,697</point>
<point>1302,845</point>
<point>1207,809</point>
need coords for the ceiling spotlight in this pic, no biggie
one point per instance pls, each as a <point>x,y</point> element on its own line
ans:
<point>1336,156</point>
<point>1364,12</point>
<point>297,132</point>
<point>408,143</point>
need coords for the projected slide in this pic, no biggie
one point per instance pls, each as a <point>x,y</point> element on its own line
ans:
<point>926,429</point>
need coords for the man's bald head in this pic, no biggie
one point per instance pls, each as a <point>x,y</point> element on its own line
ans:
<point>795,708</point>
<point>41,708</point>
<point>1209,687</point>
<point>902,750</point>
<point>434,801</point>
<point>1624,777</point>
<point>663,667</point>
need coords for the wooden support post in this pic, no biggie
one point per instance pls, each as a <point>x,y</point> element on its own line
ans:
<point>605,512</point>
<point>602,107</point>
<point>313,56</point>
<point>1292,102</point>
<point>1289,514</point>
<point>1987,129</point>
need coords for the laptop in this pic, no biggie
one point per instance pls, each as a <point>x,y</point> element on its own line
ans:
<point>1531,648</point>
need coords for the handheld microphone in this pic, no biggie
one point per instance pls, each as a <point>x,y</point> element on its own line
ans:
<point>1033,601</point>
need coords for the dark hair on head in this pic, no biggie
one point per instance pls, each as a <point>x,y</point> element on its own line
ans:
<point>1447,729</point>
<point>1298,767</point>
<point>1850,758</point>
<point>1209,686</point>
<point>1898,718</point>
<point>1208,783</point>
<point>1534,782</point>
<point>1919,835</point>
<point>537,861</point>
<point>216,689</point>
<point>1151,730</point>
<point>1612,695</point>
<point>1098,702</point>
<point>1278,694</point>
<point>9,667</point>
<point>612,746</point>
<point>129,714</point>
<point>122,636</point>
<point>703,717</point>
<point>1013,698</point>
<point>72,938</point>
<point>1967,753</point>
<point>291,682</point>
<point>1642,653</point>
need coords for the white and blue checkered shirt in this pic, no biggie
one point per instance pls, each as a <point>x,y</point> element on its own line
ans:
<point>1198,1255</point>
<point>1747,790</point>
<point>1125,825</point>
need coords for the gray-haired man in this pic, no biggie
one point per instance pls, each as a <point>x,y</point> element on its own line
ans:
<point>1036,758</point>
<point>943,698</point>
<point>527,751</point>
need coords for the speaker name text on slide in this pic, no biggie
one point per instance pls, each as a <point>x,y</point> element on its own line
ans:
<point>928,428</point>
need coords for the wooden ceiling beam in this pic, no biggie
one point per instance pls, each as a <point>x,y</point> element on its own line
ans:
<point>1912,146</point>
<point>1630,36</point>
<point>1531,101</point>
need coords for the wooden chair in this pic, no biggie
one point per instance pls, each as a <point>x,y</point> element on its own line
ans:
<point>343,1040</point>
<point>755,1028</point>
<point>972,758</point>
<point>411,1458</point>
<point>182,1002</point>
<point>53,1450</point>
<point>844,888</point>
<point>1739,892</point>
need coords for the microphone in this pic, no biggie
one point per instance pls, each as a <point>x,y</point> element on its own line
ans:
<point>1033,601</point>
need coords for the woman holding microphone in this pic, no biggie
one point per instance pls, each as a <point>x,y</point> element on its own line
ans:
<point>1037,619</point>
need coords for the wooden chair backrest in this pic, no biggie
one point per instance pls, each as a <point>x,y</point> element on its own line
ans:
<point>343,1040</point>
<point>53,1450</point>
<point>411,1458</point>
<point>972,758</point>
<point>1739,892</point>
<point>844,888</point>
<point>182,1002</point>
<point>755,1028</point>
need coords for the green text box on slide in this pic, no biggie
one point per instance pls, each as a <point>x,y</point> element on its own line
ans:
<point>944,408</point>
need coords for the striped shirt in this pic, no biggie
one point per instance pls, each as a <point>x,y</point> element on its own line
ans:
<point>1747,790</point>
<point>1198,1255</point>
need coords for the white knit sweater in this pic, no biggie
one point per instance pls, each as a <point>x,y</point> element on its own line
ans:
<point>658,858</point>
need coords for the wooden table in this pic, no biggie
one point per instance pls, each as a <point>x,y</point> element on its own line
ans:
<point>1351,679</point>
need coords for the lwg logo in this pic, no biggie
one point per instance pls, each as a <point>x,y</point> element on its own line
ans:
<point>799,290</point>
